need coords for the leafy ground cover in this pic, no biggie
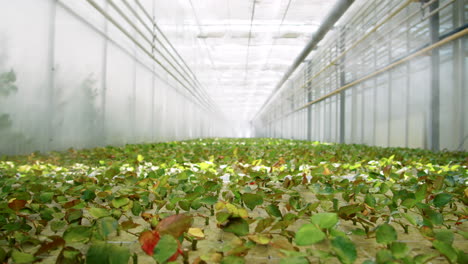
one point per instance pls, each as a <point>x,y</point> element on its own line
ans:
<point>235,201</point>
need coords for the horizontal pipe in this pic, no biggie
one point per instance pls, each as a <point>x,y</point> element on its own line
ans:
<point>127,19</point>
<point>161,33</point>
<point>99,9</point>
<point>463,31</point>
<point>336,13</point>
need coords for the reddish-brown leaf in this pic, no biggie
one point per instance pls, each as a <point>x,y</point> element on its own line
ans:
<point>71,203</point>
<point>148,240</point>
<point>146,216</point>
<point>17,205</point>
<point>175,225</point>
<point>128,225</point>
<point>387,169</point>
<point>52,245</point>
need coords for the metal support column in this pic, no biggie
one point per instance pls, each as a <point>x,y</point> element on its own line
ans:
<point>105,48</point>
<point>342,83</point>
<point>459,78</point>
<point>51,77</point>
<point>309,99</point>
<point>153,77</point>
<point>435,82</point>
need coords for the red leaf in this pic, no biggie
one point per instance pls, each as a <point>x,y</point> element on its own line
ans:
<point>175,225</point>
<point>148,240</point>
<point>17,205</point>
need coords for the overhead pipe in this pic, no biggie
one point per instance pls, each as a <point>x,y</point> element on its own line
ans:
<point>335,14</point>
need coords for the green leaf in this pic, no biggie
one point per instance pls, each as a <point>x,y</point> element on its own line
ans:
<point>77,234</point>
<point>369,199</point>
<point>166,247</point>
<point>325,220</point>
<point>21,257</point>
<point>251,200</point>
<point>436,218</point>
<point>185,205</point>
<point>399,249</point>
<point>70,255</point>
<point>462,257</point>
<point>385,234</point>
<point>421,192</point>
<point>57,225</point>
<point>309,234</point>
<point>344,249</point>
<point>136,209</point>
<point>264,224</point>
<point>442,199</point>
<point>196,204</point>
<point>46,197</point>
<point>410,218</point>
<point>3,255</point>
<point>233,260</point>
<point>384,256</point>
<point>88,195</point>
<point>445,236</point>
<point>47,214</point>
<point>120,201</point>
<point>73,215</point>
<point>447,250</point>
<point>103,253</point>
<point>424,258</point>
<point>273,210</point>
<point>106,226</point>
<point>237,226</point>
<point>209,200</point>
<point>98,212</point>
<point>222,217</point>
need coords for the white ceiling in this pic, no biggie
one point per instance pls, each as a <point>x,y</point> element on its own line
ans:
<point>243,57</point>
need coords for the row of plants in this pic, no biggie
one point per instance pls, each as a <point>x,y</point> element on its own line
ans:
<point>235,201</point>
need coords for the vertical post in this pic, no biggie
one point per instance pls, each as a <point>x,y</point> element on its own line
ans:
<point>133,105</point>
<point>104,79</point>
<point>342,83</point>
<point>153,77</point>
<point>51,77</point>
<point>460,68</point>
<point>389,92</point>
<point>408,83</point>
<point>435,81</point>
<point>309,99</point>
<point>133,98</point>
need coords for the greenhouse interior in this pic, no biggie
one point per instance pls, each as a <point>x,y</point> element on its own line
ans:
<point>234,131</point>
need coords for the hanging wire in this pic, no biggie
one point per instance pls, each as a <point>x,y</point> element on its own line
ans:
<point>252,17</point>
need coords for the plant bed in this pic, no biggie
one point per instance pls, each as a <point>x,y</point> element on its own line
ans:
<point>235,201</point>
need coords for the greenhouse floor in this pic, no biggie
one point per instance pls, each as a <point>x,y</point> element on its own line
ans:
<point>235,201</point>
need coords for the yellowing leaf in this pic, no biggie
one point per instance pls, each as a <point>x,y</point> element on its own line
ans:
<point>261,239</point>
<point>196,232</point>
